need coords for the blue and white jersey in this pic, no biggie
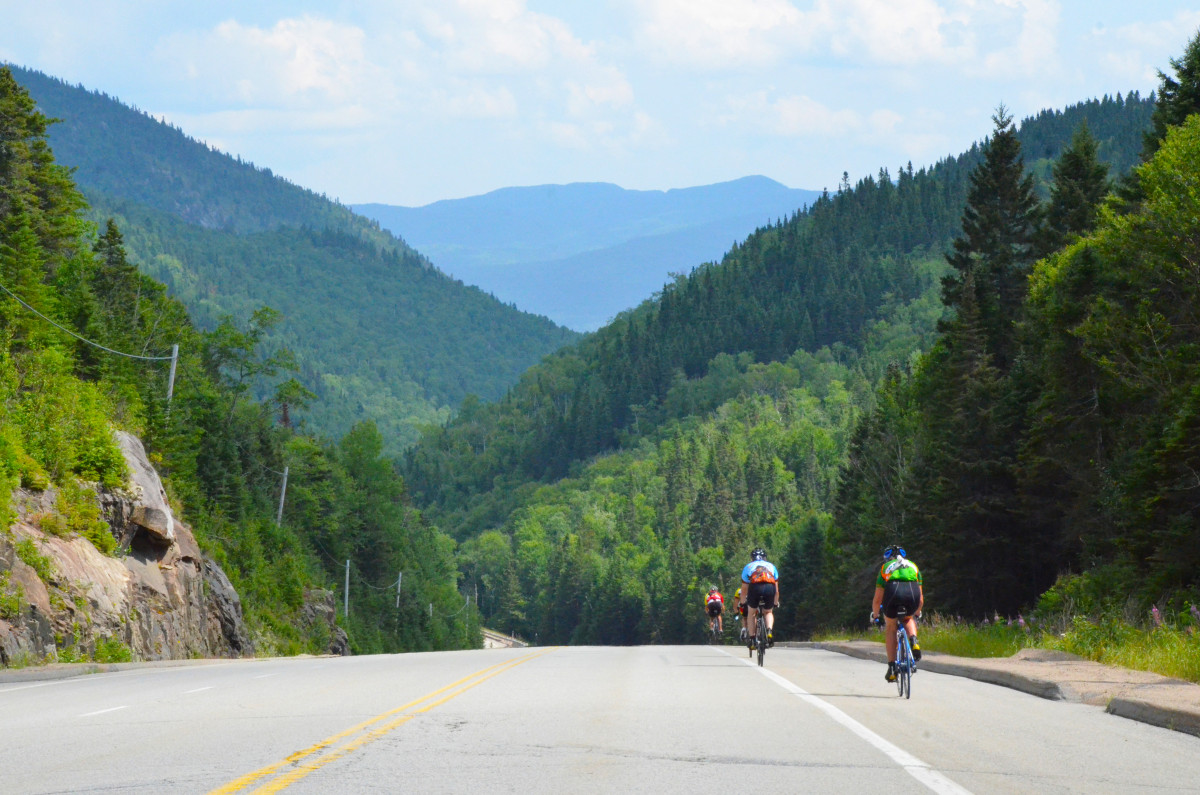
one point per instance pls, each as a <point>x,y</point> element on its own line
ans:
<point>754,564</point>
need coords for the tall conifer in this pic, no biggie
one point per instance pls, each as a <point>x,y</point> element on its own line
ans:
<point>1080,184</point>
<point>996,245</point>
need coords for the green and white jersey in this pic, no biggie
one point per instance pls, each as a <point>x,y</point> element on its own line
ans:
<point>898,569</point>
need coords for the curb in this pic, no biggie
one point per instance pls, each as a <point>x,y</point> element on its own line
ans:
<point>1180,720</point>
<point>1130,706</point>
<point>933,661</point>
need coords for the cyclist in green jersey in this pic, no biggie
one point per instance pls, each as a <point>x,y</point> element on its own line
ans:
<point>898,583</point>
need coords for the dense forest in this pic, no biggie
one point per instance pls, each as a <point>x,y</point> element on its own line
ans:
<point>70,288</point>
<point>604,493</point>
<point>377,332</point>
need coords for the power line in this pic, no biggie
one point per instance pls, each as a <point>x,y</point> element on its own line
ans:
<point>81,338</point>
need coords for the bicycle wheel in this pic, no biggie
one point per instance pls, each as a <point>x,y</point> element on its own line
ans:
<point>906,666</point>
<point>901,668</point>
<point>761,639</point>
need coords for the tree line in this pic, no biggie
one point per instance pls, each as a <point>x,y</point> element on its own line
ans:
<point>768,399</point>
<point>220,448</point>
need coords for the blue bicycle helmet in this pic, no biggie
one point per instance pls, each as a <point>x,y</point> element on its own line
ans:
<point>893,550</point>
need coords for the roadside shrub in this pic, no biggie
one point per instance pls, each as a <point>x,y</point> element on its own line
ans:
<point>65,421</point>
<point>11,594</point>
<point>111,650</point>
<point>28,552</point>
<point>81,514</point>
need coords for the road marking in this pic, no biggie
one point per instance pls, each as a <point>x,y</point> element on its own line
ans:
<point>101,711</point>
<point>363,733</point>
<point>264,676</point>
<point>198,690</point>
<point>919,770</point>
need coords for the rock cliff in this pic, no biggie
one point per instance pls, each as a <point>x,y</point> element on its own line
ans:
<point>159,596</point>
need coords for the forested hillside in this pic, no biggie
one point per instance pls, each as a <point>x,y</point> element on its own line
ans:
<point>581,253</point>
<point>377,332</point>
<point>733,398</point>
<point>64,387</point>
<point>1048,442</point>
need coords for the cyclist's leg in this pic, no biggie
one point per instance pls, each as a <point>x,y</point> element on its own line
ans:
<point>889,637</point>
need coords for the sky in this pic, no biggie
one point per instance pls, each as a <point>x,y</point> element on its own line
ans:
<point>411,101</point>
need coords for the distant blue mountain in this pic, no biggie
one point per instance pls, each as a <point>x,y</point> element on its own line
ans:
<point>583,252</point>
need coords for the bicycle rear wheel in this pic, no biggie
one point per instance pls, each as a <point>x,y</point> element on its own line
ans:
<point>761,639</point>
<point>905,666</point>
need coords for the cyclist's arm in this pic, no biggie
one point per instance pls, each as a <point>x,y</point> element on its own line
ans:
<point>877,601</point>
<point>920,593</point>
<point>777,592</point>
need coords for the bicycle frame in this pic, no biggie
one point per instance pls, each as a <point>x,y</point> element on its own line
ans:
<point>905,665</point>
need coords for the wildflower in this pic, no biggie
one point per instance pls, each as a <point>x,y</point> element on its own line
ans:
<point>1021,622</point>
<point>1195,613</point>
<point>1157,616</point>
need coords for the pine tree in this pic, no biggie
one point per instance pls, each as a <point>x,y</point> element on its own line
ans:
<point>1080,184</point>
<point>996,245</point>
<point>1178,97</point>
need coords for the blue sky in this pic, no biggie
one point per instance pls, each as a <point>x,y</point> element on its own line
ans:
<point>411,101</point>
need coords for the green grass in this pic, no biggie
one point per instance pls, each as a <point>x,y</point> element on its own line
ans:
<point>1170,649</point>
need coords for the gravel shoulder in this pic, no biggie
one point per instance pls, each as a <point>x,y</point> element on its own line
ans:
<point>1137,695</point>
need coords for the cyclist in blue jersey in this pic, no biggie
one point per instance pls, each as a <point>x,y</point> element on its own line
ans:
<point>760,592</point>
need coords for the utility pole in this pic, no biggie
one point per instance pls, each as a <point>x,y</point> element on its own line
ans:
<point>171,378</point>
<point>399,579</point>
<point>346,604</point>
<point>282,494</point>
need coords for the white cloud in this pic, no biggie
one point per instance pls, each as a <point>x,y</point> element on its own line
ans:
<point>1034,50</point>
<point>791,115</point>
<point>298,62</point>
<point>607,88</point>
<point>498,36</point>
<point>720,33</point>
<point>894,31</point>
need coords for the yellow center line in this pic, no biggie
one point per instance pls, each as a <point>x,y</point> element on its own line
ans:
<point>463,685</point>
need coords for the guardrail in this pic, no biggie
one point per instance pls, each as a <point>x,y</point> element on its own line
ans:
<point>498,640</point>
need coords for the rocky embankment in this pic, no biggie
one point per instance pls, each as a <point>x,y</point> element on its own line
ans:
<point>159,596</point>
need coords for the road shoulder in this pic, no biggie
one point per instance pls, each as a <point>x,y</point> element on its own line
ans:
<point>1138,695</point>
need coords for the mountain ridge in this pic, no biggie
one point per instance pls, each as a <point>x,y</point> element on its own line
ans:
<point>542,229</point>
<point>378,333</point>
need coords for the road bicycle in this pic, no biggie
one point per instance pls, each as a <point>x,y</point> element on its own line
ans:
<point>714,626</point>
<point>904,665</point>
<point>758,642</point>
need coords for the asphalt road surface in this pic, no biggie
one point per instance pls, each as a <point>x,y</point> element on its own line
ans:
<point>692,719</point>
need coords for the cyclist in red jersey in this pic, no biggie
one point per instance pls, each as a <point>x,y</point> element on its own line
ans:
<point>714,605</point>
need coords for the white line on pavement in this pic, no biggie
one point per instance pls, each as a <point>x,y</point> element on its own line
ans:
<point>101,711</point>
<point>198,690</point>
<point>919,770</point>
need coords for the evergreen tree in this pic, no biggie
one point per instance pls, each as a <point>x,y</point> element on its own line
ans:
<point>1080,184</point>
<point>996,245</point>
<point>1178,97</point>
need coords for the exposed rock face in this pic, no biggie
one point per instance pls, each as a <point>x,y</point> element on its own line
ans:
<point>162,598</point>
<point>320,614</point>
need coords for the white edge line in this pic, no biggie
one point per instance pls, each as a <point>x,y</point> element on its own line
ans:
<point>102,711</point>
<point>919,770</point>
<point>198,690</point>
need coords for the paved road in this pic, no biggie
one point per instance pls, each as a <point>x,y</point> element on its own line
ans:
<point>663,719</point>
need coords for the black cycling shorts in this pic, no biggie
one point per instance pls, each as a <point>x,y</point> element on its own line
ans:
<point>761,594</point>
<point>714,609</point>
<point>897,593</point>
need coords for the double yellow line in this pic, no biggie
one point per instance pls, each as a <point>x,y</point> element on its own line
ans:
<point>299,764</point>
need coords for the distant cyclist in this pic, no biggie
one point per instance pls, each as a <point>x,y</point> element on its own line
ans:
<point>714,604</point>
<point>760,589</point>
<point>898,584</point>
<point>741,616</point>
